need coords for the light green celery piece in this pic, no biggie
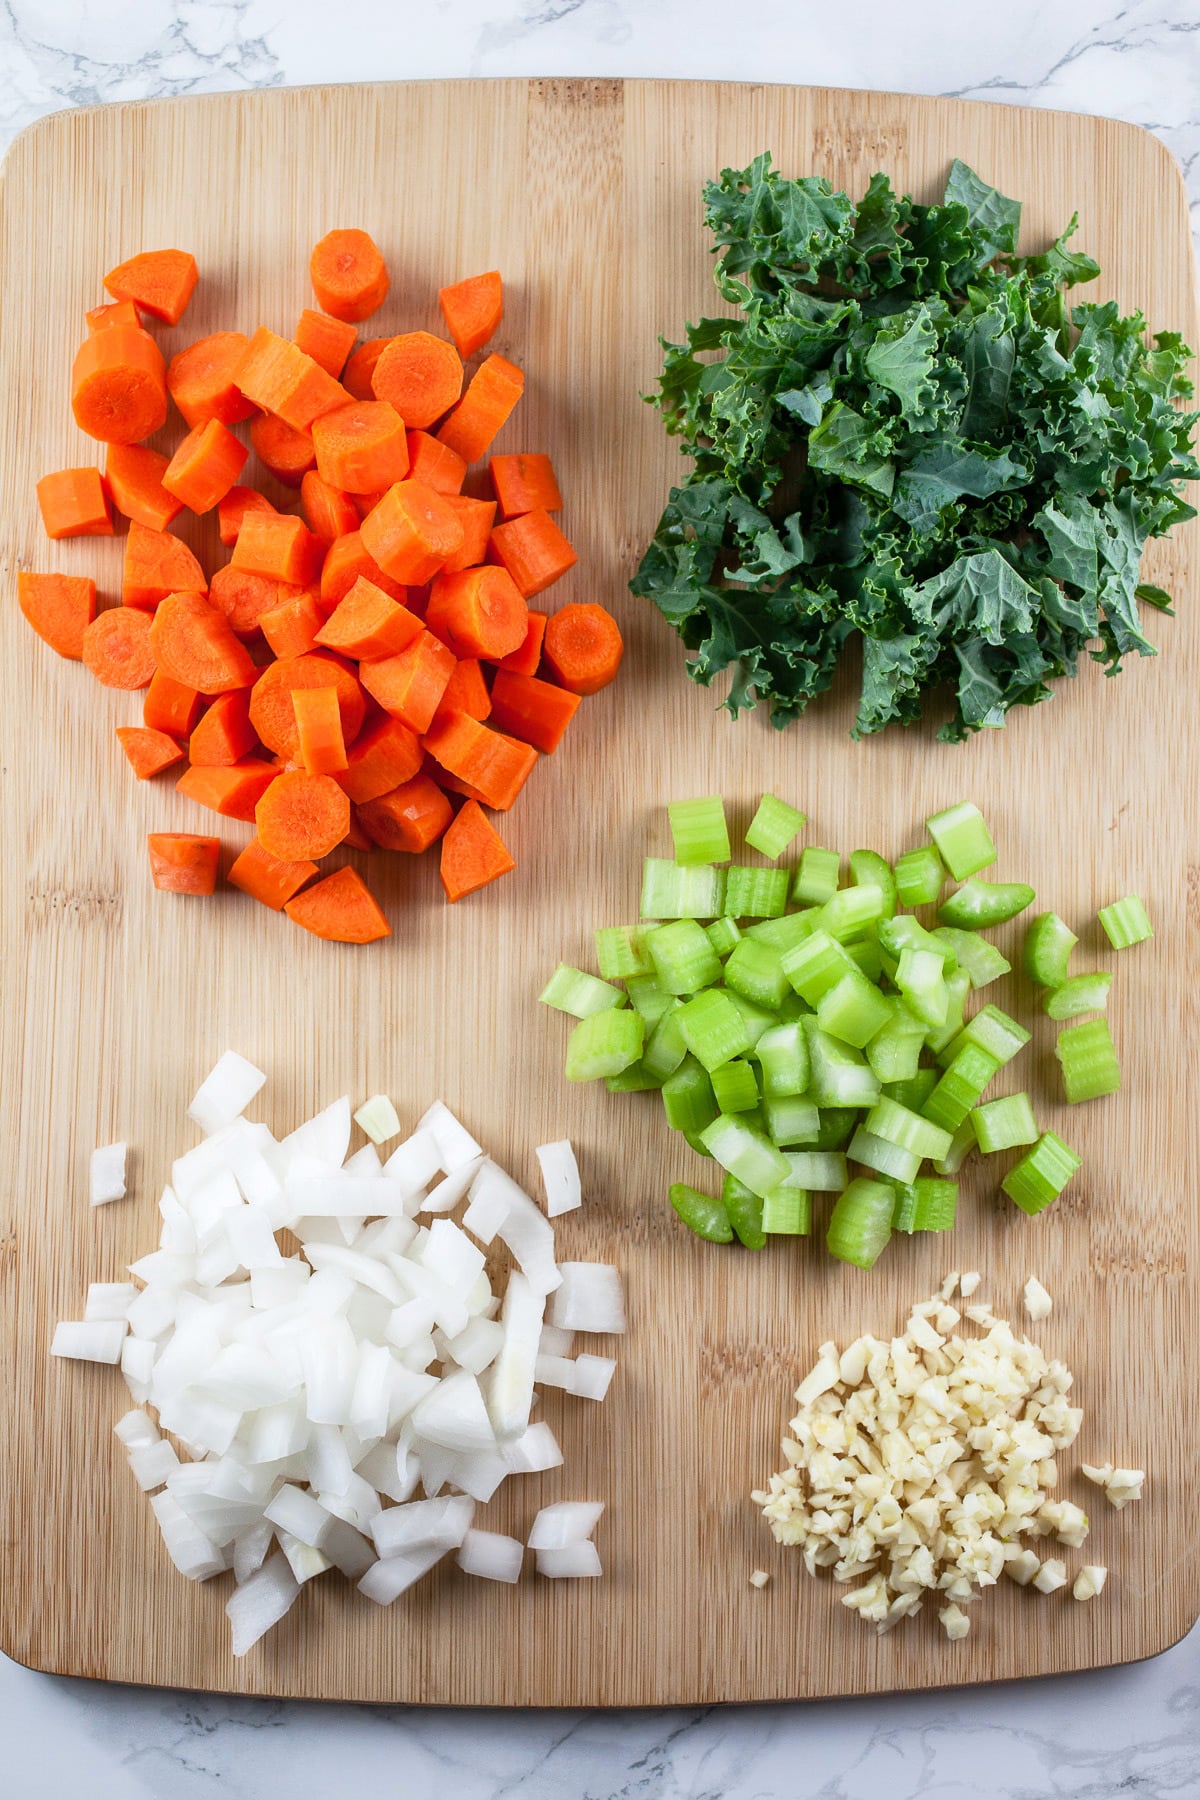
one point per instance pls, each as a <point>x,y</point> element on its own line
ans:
<point>1005,1123</point>
<point>735,1086</point>
<point>906,933</point>
<point>861,1223</point>
<point>704,1214</point>
<point>1089,1061</point>
<point>920,978</point>
<point>698,830</point>
<point>670,891</point>
<point>847,913</point>
<point>755,970</point>
<point>960,1087</point>
<point>745,1211</point>
<point>636,1079</point>
<point>963,840</point>
<point>919,876</point>
<point>870,870</point>
<point>1048,946</point>
<point>755,1018</point>
<point>837,1127</point>
<point>745,1151</point>
<point>786,932</point>
<point>665,1048</point>
<point>723,935</point>
<point>867,956</point>
<point>816,876</point>
<point>787,1212</point>
<point>853,1011</point>
<point>1126,922</point>
<point>994,1031</point>
<point>579,994</point>
<point>958,986</point>
<point>815,965</point>
<point>755,893</point>
<point>791,1120</point>
<point>914,1092</point>
<point>839,1075</point>
<point>647,997</point>
<point>890,1120</point>
<point>604,1044</point>
<point>782,1053</point>
<point>774,826</point>
<point>925,1205</point>
<point>977,956</point>
<point>891,1160</point>
<point>714,1029</point>
<point>792,1007</point>
<point>684,960</point>
<point>1078,994</point>
<point>1042,1173</point>
<point>822,1171</point>
<point>688,1098</point>
<point>978,905</point>
<point>697,1143</point>
<point>961,1146</point>
<point>894,1053</point>
<point>621,951</point>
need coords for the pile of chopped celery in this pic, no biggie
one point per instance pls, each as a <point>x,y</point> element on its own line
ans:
<point>789,1045</point>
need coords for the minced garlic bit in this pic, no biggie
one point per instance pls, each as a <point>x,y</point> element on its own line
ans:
<point>1090,1581</point>
<point>969,1283</point>
<point>759,1578</point>
<point>1037,1301</point>
<point>1120,1485</point>
<point>916,1464</point>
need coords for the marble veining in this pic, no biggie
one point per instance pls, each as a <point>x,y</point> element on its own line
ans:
<point>1104,1736</point>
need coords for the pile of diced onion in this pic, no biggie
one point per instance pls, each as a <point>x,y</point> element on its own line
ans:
<point>311,1396</point>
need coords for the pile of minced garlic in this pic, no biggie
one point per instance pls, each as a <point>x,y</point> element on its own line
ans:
<point>918,1464</point>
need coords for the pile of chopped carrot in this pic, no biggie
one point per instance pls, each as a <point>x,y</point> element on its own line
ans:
<point>366,672</point>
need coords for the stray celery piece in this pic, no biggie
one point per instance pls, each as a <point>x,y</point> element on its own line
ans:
<point>688,1098</point>
<point>861,1223</point>
<point>755,970</point>
<point>926,1205</point>
<point>665,1048</point>
<point>752,893</point>
<point>791,1120</point>
<point>784,933</point>
<point>714,1029</point>
<point>890,1120</point>
<point>837,1127</point>
<point>636,1079</point>
<point>958,986</point>
<point>1089,1061</point>
<point>745,1210</point>
<point>694,1139</point>
<point>1042,1173</point>
<point>782,1054</point>
<point>572,991</point>
<point>816,876</point>
<point>670,891</point>
<point>604,1044</point>
<point>960,1087</point>
<point>906,933</point>
<point>683,958</point>
<point>978,905</point>
<point>847,913</point>
<point>853,1010</point>
<point>1126,922</point>
<point>704,1214</point>
<point>787,1212</point>
<point>774,826</point>
<point>978,956</point>
<point>1003,1124</point>
<point>920,978</point>
<point>1048,946</point>
<point>914,1091</point>
<point>994,1031</point>
<point>620,952</point>
<point>647,997</point>
<point>894,1053</point>
<point>919,876</point>
<point>1078,994</point>
<point>735,1087</point>
<point>886,1158</point>
<point>963,839</point>
<point>816,964</point>
<point>866,953</point>
<point>745,1151</point>
<point>839,1075</point>
<point>961,1146</point>
<point>723,935</point>
<point>870,870</point>
<point>698,830</point>
<point>822,1171</point>
<point>755,1018</point>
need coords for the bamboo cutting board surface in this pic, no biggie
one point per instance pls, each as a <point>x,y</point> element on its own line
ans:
<point>117,999</point>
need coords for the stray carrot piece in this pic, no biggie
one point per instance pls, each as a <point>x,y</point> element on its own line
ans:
<point>583,648</point>
<point>449,783</point>
<point>117,648</point>
<point>182,863</point>
<point>159,282</point>
<point>191,640</point>
<point>533,550</point>
<point>301,817</point>
<point>244,598</point>
<point>291,626</point>
<point>340,909</point>
<point>412,531</point>
<point>421,375</point>
<point>284,452</point>
<point>410,817</point>
<point>282,379</point>
<point>532,710</point>
<point>329,512</point>
<point>491,395</point>
<point>205,466</point>
<point>437,465</point>
<point>59,607</point>
<point>473,310</point>
<point>73,504</point>
<point>233,789</point>
<point>381,759</point>
<point>496,766</point>
<point>319,730</point>
<point>466,691</point>
<point>473,853</point>
<point>273,714</point>
<point>133,476</point>
<point>279,545</point>
<point>410,685</point>
<point>358,376</point>
<point>349,275</point>
<point>525,660</point>
<point>366,623</point>
<point>234,507</point>
<point>149,752</point>
<point>157,564</point>
<point>116,312</point>
<point>170,707</point>
<point>478,612</point>
<point>201,380</point>
<point>328,341</point>
<point>119,385</point>
<point>264,877</point>
<point>224,735</point>
<point>476,518</point>
<point>524,483</point>
<point>346,559</point>
<point>361,448</point>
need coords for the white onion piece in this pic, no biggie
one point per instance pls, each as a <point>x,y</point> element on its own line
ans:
<point>555,1372</point>
<point>445,1195</point>
<point>593,1376</point>
<point>492,1555</point>
<point>108,1300</point>
<point>261,1601</point>
<point>476,1347</point>
<point>304,1560</point>
<point>492,1195</point>
<point>346,1548</point>
<point>422,1525</point>
<point>378,1118</point>
<point>392,1576</point>
<point>193,1554</point>
<point>560,1177</point>
<point>106,1174</point>
<point>225,1093</point>
<point>480,1474</point>
<point>137,1366</point>
<point>566,1522</point>
<point>96,1340</point>
<point>454,1415</point>
<point>533,1452</point>
<point>414,1163</point>
<point>359,1503</point>
<point>152,1464</point>
<point>455,1145</point>
<point>590,1298</point>
<point>364,1162</point>
<point>136,1429</point>
<point>295,1511</point>
<point>573,1563</point>
<point>510,1389</point>
<point>325,1138</point>
<point>556,1342</point>
<point>250,1549</point>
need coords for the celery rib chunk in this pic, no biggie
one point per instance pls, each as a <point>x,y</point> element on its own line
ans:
<point>853,1010</point>
<point>1126,922</point>
<point>1049,942</point>
<point>869,869</point>
<point>581,995</point>
<point>1079,994</point>
<point>755,970</point>
<point>735,1086</point>
<point>782,1055</point>
<point>752,893</point>
<point>992,1030</point>
<point>861,1223</point>
<point>839,1075</point>
<point>684,960</point>
<point>787,1212</point>
<point>1041,1174</point>
<point>821,1171</point>
<point>977,956</point>
<point>671,891</point>
<point>606,1043</point>
<point>704,1214</point>
<point>925,1205</point>
<point>919,876</point>
<point>745,1210</point>
<point>774,826</point>
<point>791,1120</point>
<point>1003,1124</point>
<point>960,1087</point>
<point>963,839</point>
<point>698,830</point>
<point>723,935</point>
<point>620,951</point>
<point>888,1119</point>
<point>978,905</point>
<point>689,1100</point>
<point>886,1158</point>
<point>816,964</point>
<point>714,1029</point>
<point>816,876</point>
<point>1089,1061</point>
<point>746,1152</point>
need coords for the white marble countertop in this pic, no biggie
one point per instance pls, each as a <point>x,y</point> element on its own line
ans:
<point>1133,1731</point>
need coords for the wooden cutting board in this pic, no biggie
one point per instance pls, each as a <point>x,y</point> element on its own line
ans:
<point>116,999</point>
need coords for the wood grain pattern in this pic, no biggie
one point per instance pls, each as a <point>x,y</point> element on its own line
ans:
<point>116,999</point>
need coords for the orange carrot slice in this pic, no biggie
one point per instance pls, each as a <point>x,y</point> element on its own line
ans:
<point>409,818</point>
<point>301,817</point>
<point>170,706</point>
<point>73,504</point>
<point>157,564</point>
<point>201,380</point>
<point>340,909</point>
<point>381,759</point>
<point>319,730</point>
<point>328,341</point>
<point>437,465</point>
<point>190,639</point>
<point>491,395</point>
<point>232,791</point>
<point>264,877</point>
<point>149,752</point>
<point>273,714</point>
<point>473,310</point>
<point>224,735</point>
<point>244,598</point>
<point>278,545</point>
<point>59,607</point>
<point>410,685</point>
<point>525,483</point>
<point>234,507</point>
<point>358,376</point>
<point>525,660</point>
<point>116,312</point>
<point>284,452</point>
<point>478,612</point>
<point>533,550</point>
<point>133,476</point>
<point>346,559</point>
<point>411,532</point>
<point>291,627</point>
<point>496,767</point>
<point>328,511</point>
<point>159,282</point>
<point>283,380</point>
<point>182,863</point>
<point>117,648</point>
<point>473,853</point>
<point>361,448</point>
<point>532,710</point>
<point>466,691</point>
<point>119,385</point>
<point>205,466</point>
<point>368,624</point>
<point>421,375</point>
<point>476,518</point>
<point>349,275</point>
<point>583,647</point>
